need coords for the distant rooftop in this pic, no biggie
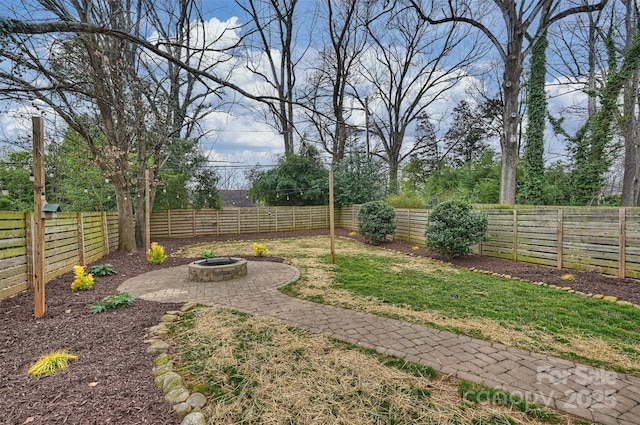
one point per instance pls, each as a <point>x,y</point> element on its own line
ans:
<point>236,198</point>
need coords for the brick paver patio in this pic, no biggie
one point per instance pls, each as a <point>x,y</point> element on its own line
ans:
<point>594,394</point>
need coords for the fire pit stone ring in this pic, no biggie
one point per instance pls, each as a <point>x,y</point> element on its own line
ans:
<point>217,269</point>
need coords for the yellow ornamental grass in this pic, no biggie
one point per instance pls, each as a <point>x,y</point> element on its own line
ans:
<point>156,254</point>
<point>260,250</point>
<point>82,281</point>
<point>568,276</point>
<point>51,363</point>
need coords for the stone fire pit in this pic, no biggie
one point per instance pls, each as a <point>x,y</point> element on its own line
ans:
<point>217,269</point>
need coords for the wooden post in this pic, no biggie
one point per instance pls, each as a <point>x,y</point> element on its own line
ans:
<point>238,209</point>
<point>515,235</point>
<point>293,214</point>
<point>80,233</point>
<point>560,241</point>
<point>331,219</point>
<point>622,242</point>
<point>169,222</point>
<point>277,218</point>
<point>29,224</point>
<point>105,233</point>
<point>217,222</point>
<point>193,223</point>
<point>38,220</point>
<point>147,215</point>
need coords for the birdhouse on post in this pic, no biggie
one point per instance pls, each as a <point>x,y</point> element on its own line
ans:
<point>50,210</point>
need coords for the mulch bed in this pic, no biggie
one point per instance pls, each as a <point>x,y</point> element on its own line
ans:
<point>111,382</point>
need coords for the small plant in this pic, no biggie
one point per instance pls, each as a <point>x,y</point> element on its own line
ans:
<point>122,299</point>
<point>354,233</point>
<point>568,276</point>
<point>156,254</point>
<point>208,253</point>
<point>82,281</point>
<point>376,220</point>
<point>51,363</point>
<point>102,270</point>
<point>260,250</point>
<point>415,247</point>
<point>454,227</point>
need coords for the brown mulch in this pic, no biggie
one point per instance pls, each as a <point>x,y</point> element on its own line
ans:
<point>111,382</point>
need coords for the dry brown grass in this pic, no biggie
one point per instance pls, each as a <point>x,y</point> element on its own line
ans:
<point>273,374</point>
<point>309,256</point>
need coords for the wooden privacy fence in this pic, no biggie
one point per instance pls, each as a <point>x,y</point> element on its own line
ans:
<point>606,240</point>
<point>70,239</point>
<point>189,223</point>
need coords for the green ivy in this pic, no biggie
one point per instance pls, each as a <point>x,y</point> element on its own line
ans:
<point>533,184</point>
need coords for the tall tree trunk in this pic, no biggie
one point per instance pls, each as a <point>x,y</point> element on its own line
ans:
<point>533,185</point>
<point>510,136</point>
<point>631,177</point>
<point>126,224</point>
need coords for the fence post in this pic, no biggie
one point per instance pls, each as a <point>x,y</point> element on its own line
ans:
<point>193,223</point>
<point>105,233</point>
<point>353,217</point>
<point>80,232</point>
<point>29,227</point>
<point>515,235</point>
<point>169,222</point>
<point>238,209</point>
<point>622,242</point>
<point>560,241</point>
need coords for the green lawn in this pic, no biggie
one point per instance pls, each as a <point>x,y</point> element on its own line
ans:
<point>513,304</point>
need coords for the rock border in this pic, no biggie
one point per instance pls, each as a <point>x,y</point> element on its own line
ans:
<point>187,406</point>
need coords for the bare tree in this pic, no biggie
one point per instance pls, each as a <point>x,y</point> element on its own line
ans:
<point>91,73</point>
<point>412,65</point>
<point>272,33</point>
<point>513,48</point>
<point>339,61</point>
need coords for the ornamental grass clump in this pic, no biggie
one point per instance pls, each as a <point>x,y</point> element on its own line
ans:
<point>82,281</point>
<point>260,250</point>
<point>156,255</point>
<point>51,363</point>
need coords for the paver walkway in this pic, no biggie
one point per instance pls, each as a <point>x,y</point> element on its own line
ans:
<point>594,394</point>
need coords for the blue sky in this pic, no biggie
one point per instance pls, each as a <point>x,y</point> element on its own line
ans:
<point>239,136</point>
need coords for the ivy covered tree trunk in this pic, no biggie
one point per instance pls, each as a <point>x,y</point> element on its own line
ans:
<point>533,184</point>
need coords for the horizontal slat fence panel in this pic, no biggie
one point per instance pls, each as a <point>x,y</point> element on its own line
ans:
<point>189,223</point>
<point>63,249</point>
<point>605,240</point>
<point>13,253</point>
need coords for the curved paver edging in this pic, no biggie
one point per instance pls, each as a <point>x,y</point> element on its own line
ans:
<point>594,394</point>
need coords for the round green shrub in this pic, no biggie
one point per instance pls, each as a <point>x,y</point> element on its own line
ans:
<point>376,220</point>
<point>454,227</point>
